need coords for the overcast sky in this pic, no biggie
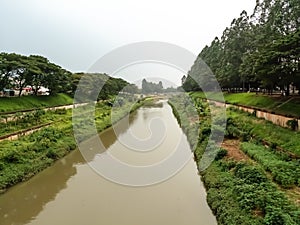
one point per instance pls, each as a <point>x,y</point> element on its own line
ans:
<point>75,33</point>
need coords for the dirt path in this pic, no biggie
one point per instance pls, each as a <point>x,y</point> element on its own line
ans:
<point>233,150</point>
<point>293,194</point>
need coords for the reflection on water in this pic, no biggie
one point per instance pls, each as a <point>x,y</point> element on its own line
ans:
<point>107,137</point>
<point>26,200</point>
<point>157,104</point>
<point>70,192</point>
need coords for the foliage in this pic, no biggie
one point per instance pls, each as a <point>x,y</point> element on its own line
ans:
<point>17,71</point>
<point>246,196</point>
<point>221,154</point>
<point>288,106</point>
<point>97,86</point>
<point>241,123</point>
<point>285,173</point>
<point>25,157</point>
<point>293,124</point>
<point>150,87</point>
<point>257,50</point>
<point>242,192</point>
<point>22,158</point>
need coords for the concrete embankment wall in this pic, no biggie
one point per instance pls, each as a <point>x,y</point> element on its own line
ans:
<point>274,118</point>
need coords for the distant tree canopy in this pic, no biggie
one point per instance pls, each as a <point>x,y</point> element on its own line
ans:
<point>100,86</point>
<point>261,50</point>
<point>17,71</point>
<point>149,87</point>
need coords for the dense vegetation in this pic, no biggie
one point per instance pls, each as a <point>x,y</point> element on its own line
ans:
<point>91,84</point>
<point>150,87</point>
<point>22,158</point>
<point>258,189</point>
<point>18,72</point>
<point>284,171</point>
<point>20,122</point>
<point>257,51</point>
<point>249,127</point>
<point>153,88</point>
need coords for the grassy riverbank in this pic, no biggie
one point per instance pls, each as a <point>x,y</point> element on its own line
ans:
<point>19,122</point>
<point>23,158</point>
<point>287,106</point>
<point>12,104</point>
<point>253,181</point>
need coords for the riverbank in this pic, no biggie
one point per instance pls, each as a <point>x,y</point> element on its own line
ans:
<point>256,179</point>
<point>23,158</point>
<point>27,103</point>
<point>286,106</point>
<point>70,191</point>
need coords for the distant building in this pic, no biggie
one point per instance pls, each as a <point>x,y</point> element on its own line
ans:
<point>8,92</point>
<point>43,91</point>
<point>27,91</point>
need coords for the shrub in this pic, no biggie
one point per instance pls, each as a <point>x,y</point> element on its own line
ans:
<point>250,174</point>
<point>275,216</point>
<point>221,154</point>
<point>284,171</point>
<point>55,153</point>
<point>293,124</point>
<point>61,111</point>
<point>12,157</point>
<point>2,165</point>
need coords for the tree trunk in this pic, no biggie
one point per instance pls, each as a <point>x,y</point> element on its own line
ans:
<point>20,92</point>
<point>288,90</point>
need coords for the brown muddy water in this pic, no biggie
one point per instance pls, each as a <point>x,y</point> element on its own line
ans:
<point>71,193</point>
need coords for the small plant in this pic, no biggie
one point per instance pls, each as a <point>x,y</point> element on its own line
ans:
<point>62,111</point>
<point>293,124</point>
<point>221,154</point>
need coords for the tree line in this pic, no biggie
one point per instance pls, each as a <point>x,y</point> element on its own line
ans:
<point>257,51</point>
<point>19,71</point>
<point>99,85</point>
<point>150,87</point>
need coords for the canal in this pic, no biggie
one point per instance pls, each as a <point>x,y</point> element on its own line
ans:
<point>71,193</point>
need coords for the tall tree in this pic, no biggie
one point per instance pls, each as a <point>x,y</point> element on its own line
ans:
<point>256,51</point>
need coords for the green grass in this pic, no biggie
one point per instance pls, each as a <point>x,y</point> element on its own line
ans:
<point>275,103</point>
<point>250,99</point>
<point>284,172</point>
<point>241,193</point>
<point>32,119</point>
<point>21,159</point>
<point>11,104</point>
<point>240,124</point>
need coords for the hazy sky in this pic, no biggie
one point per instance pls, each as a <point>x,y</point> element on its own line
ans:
<point>75,33</point>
